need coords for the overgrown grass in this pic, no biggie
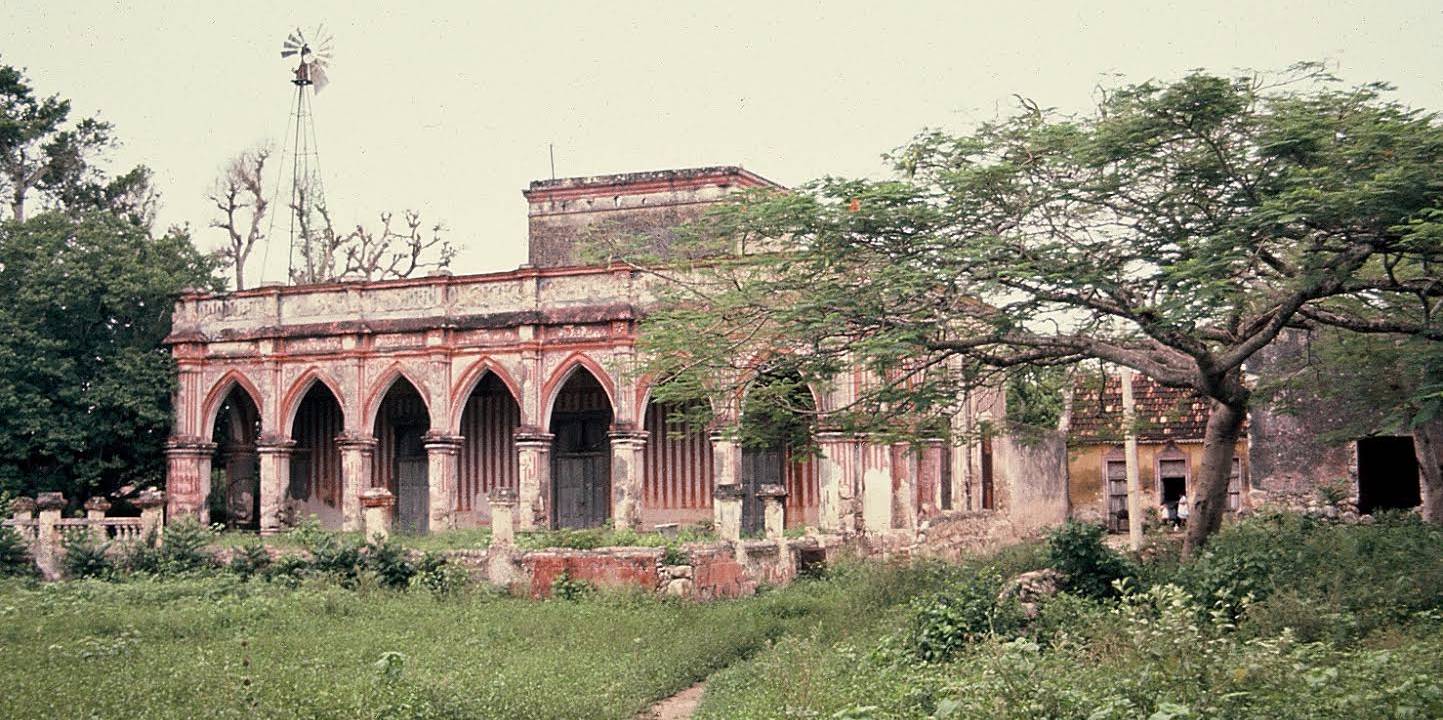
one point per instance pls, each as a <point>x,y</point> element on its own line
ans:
<point>1283,617</point>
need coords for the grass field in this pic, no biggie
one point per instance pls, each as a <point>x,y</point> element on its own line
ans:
<point>1283,617</point>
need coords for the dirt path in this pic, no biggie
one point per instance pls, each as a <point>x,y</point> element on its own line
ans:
<point>677,707</point>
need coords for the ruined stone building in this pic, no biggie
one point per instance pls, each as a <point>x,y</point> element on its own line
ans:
<point>295,400</point>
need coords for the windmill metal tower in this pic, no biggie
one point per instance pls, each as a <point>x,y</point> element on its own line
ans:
<point>307,202</point>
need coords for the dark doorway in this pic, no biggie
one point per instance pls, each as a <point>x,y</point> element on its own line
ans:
<point>401,463</point>
<point>776,440</point>
<point>235,476</point>
<point>760,466</point>
<point>413,492</point>
<point>1387,474</point>
<point>988,501</point>
<point>581,454</point>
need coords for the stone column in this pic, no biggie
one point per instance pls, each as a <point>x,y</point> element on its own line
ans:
<point>242,482</point>
<point>503,517</point>
<point>357,452</point>
<point>275,457</point>
<point>774,497</point>
<point>533,468</point>
<point>152,513</point>
<point>628,448</point>
<point>376,505</point>
<point>929,470</point>
<point>187,476</point>
<point>726,471</point>
<point>835,481</point>
<point>442,468</point>
<point>876,487</point>
<point>905,473</point>
<point>48,551</point>
<point>727,501</point>
<point>95,509</point>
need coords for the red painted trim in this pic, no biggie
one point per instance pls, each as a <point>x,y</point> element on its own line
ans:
<point>218,393</point>
<point>471,378</point>
<point>552,387</point>
<point>291,401</point>
<point>382,386</point>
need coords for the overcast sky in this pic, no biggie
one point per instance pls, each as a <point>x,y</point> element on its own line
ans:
<point>449,107</point>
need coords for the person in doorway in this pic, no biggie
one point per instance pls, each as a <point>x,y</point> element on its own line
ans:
<point>1182,510</point>
<point>1169,511</point>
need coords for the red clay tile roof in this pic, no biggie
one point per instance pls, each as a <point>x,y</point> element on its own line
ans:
<point>1164,413</point>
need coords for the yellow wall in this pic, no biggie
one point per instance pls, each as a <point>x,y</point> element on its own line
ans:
<point>1087,487</point>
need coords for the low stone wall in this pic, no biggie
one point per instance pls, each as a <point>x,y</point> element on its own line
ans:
<point>711,571</point>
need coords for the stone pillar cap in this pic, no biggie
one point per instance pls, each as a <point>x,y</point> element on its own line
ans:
<point>772,490</point>
<point>22,505</point>
<point>97,503</point>
<point>50,501</point>
<point>150,499</point>
<point>377,497</point>
<point>502,496</point>
<point>728,492</point>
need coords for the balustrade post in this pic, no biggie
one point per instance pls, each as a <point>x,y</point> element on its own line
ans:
<point>95,509</point>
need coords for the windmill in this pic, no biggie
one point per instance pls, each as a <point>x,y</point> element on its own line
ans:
<point>307,199</point>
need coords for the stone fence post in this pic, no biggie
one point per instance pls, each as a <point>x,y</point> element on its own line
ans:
<point>728,500</point>
<point>376,505</point>
<point>773,497</point>
<point>503,517</point>
<point>22,509</point>
<point>95,509</point>
<point>48,551</point>
<point>152,513</point>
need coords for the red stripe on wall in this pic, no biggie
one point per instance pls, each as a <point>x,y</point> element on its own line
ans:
<point>488,453</point>
<point>318,422</point>
<point>678,463</point>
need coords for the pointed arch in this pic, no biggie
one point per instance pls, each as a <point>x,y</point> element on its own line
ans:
<point>382,385</point>
<point>220,390</point>
<point>472,379</point>
<point>569,367</point>
<point>291,401</point>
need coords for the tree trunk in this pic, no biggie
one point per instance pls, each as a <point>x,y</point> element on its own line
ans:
<point>240,272</point>
<point>17,204</point>
<point>1427,444</point>
<point>1209,495</point>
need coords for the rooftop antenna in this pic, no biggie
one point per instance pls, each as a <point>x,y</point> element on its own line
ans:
<point>307,197</point>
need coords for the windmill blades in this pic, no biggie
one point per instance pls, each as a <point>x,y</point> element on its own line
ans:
<point>318,76</point>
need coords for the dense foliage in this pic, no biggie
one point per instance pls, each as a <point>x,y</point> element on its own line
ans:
<point>1177,228</point>
<point>1281,616</point>
<point>85,384</point>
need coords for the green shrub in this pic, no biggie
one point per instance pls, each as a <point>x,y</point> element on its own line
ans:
<point>336,557</point>
<point>250,560</point>
<point>84,556</point>
<point>1077,550</point>
<point>391,563</point>
<point>439,576</point>
<point>183,546</point>
<point>565,587</point>
<point>288,570</point>
<point>14,555</point>
<point>943,625</point>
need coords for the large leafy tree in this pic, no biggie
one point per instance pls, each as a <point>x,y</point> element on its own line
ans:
<point>47,155</point>
<point>1175,229</point>
<point>85,382</point>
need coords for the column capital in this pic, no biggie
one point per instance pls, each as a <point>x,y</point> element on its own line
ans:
<point>188,445</point>
<point>728,492</point>
<point>22,506</point>
<point>273,444</point>
<point>149,499</point>
<point>50,501</point>
<point>441,441</point>
<point>359,441</point>
<point>97,504</point>
<point>628,437</point>
<point>503,496</point>
<point>377,497</point>
<point>772,490</point>
<point>532,438</point>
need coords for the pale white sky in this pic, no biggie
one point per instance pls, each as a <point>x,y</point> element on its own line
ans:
<point>449,107</point>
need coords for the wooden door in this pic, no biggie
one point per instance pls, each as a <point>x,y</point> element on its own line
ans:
<point>760,466</point>
<point>413,491</point>
<point>581,470</point>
